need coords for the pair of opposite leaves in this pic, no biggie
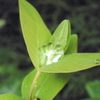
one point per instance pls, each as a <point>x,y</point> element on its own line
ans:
<point>36,34</point>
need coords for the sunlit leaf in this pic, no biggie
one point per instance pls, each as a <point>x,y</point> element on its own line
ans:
<point>73,63</point>
<point>34,30</point>
<point>47,87</point>
<point>10,97</point>
<point>61,35</point>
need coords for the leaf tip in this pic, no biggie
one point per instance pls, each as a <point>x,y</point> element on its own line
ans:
<point>66,21</point>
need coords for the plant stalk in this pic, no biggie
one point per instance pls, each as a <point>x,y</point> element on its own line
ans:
<point>34,84</point>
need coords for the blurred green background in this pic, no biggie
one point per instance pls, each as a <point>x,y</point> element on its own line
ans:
<point>14,60</point>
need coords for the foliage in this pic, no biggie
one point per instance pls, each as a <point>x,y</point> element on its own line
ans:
<point>2,23</point>
<point>84,20</point>
<point>93,89</point>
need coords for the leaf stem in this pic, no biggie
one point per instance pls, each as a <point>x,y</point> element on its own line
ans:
<point>33,84</point>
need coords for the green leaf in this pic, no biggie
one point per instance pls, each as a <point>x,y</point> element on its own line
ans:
<point>47,87</point>
<point>2,23</point>
<point>73,63</point>
<point>72,47</point>
<point>93,89</point>
<point>34,30</point>
<point>10,97</point>
<point>61,35</point>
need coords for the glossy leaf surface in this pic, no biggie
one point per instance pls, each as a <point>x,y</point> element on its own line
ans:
<point>73,63</point>
<point>10,97</point>
<point>34,30</point>
<point>47,87</point>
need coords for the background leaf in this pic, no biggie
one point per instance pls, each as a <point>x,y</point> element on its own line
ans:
<point>2,23</point>
<point>34,30</point>
<point>93,89</point>
<point>47,86</point>
<point>73,63</point>
<point>61,35</point>
<point>10,97</point>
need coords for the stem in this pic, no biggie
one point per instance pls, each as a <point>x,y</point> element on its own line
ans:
<point>33,84</point>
